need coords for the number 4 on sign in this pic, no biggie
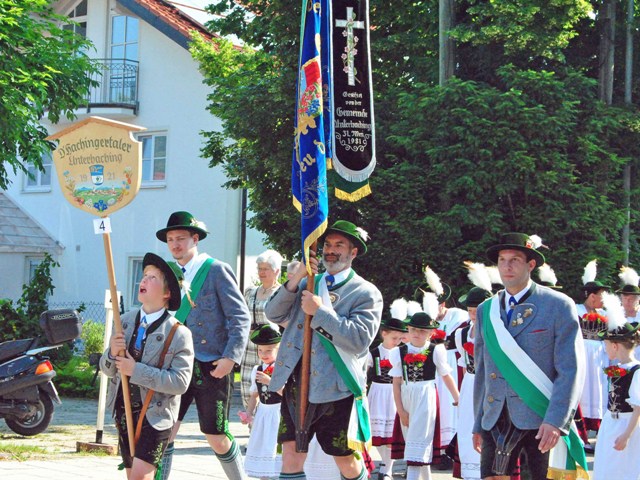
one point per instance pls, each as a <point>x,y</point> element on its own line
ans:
<point>102,226</point>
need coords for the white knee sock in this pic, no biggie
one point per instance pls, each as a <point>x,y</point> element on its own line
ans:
<point>386,464</point>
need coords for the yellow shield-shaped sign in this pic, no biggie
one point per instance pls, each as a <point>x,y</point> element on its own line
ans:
<point>98,164</point>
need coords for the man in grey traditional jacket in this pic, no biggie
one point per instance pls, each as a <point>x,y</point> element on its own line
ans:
<point>346,312</point>
<point>529,371</point>
<point>218,317</point>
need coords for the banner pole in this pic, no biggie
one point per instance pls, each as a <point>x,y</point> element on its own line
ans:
<point>302,433</point>
<point>118,326</point>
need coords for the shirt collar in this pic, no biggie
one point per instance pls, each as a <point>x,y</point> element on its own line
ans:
<point>193,265</point>
<point>151,317</point>
<point>517,296</point>
<point>340,276</point>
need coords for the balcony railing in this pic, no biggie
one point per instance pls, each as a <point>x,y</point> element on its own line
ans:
<point>118,84</point>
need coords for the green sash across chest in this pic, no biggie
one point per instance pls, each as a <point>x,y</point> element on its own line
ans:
<point>567,459</point>
<point>346,367</point>
<point>196,286</point>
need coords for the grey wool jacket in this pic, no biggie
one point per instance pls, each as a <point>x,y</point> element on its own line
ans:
<point>549,334</point>
<point>351,325</point>
<point>168,382</point>
<point>220,321</point>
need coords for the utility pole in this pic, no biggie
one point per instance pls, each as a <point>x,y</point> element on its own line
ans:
<point>446,59</point>
<point>628,71</point>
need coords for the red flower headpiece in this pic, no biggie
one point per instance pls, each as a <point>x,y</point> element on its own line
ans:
<point>594,317</point>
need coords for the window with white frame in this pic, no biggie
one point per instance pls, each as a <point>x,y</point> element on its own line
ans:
<point>124,52</point>
<point>154,158</point>
<point>31,266</point>
<point>135,276</point>
<point>79,15</point>
<point>37,180</point>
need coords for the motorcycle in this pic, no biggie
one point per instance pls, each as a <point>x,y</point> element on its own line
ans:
<point>27,392</point>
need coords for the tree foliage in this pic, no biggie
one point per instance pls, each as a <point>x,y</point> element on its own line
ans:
<point>44,70</point>
<point>517,141</point>
<point>21,319</point>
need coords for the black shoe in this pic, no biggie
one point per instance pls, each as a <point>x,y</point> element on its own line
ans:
<point>588,448</point>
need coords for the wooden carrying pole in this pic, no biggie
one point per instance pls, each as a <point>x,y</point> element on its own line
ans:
<point>118,326</point>
<point>302,431</point>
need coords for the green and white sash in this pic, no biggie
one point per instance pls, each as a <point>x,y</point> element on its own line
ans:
<point>347,366</point>
<point>567,459</point>
<point>185,306</point>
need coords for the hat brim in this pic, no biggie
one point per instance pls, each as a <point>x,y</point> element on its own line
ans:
<point>359,244</point>
<point>494,251</point>
<point>172,281</point>
<point>162,234</point>
<point>628,334</point>
<point>622,291</point>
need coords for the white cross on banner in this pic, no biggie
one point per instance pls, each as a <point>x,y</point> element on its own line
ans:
<point>350,50</point>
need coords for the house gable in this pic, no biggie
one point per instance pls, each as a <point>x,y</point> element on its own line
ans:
<point>167,19</point>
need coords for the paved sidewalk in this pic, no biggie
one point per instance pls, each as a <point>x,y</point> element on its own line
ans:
<point>193,458</point>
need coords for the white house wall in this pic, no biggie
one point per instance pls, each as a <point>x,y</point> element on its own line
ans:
<point>172,99</point>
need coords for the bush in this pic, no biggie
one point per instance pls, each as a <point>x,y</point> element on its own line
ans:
<point>92,337</point>
<point>75,379</point>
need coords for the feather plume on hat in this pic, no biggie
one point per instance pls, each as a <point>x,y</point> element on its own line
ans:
<point>616,317</point>
<point>430,305</point>
<point>398,309</point>
<point>478,275</point>
<point>433,280</point>
<point>413,307</point>
<point>629,276</point>
<point>546,274</point>
<point>494,274</point>
<point>590,272</point>
<point>537,242</point>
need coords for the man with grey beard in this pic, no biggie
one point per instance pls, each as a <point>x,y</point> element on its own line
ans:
<point>346,312</point>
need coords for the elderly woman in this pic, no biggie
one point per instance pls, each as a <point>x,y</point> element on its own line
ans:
<point>257,296</point>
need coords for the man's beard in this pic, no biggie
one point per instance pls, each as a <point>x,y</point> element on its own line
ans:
<point>336,265</point>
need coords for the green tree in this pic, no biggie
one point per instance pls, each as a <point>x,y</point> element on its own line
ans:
<point>44,70</point>
<point>518,141</point>
<point>22,318</point>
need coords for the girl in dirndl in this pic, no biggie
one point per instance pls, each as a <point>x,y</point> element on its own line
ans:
<point>382,409</point>
<point>263,410</point>
<point>618,444</point>
<point>413,370</point>
<point>465,341</point>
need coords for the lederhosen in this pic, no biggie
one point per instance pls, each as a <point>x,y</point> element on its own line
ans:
<point>152,442</point>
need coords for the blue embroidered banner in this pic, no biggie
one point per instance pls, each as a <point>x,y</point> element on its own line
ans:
<point>309,172</point>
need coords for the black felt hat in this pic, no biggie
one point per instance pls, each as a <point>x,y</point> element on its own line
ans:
<point>629,290</point>
<point>357,235</point>
<point>172,274</point>
<point>394,324</point>
<point>627,331</point>
<point>594,287</point>
<point>515,241</point>
<point>182,221</point>
<point>474,297</point>
<point>423,321</point>
<point>265,335</point>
